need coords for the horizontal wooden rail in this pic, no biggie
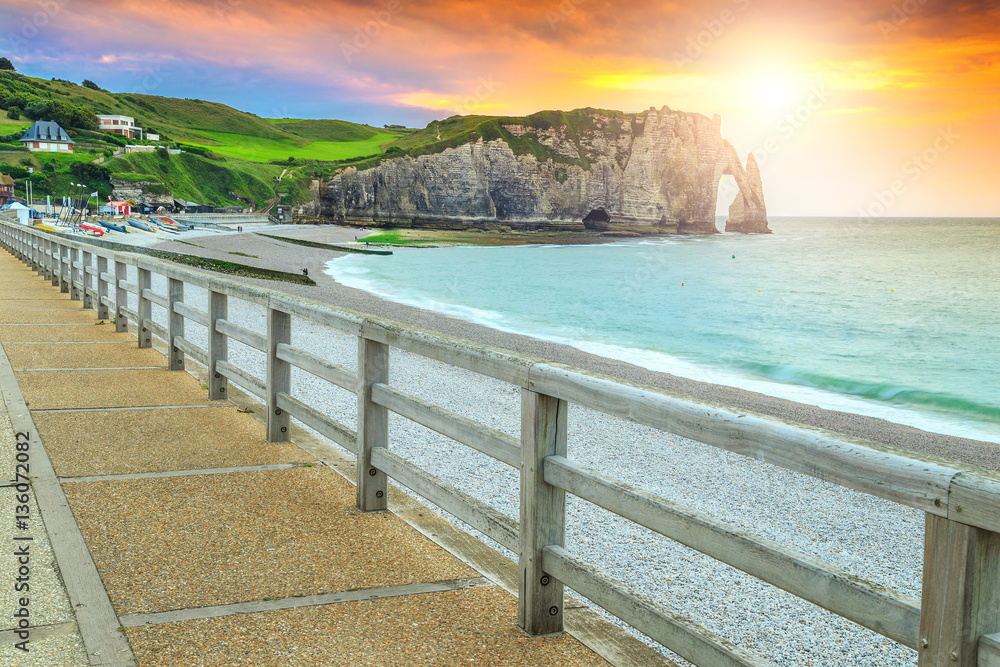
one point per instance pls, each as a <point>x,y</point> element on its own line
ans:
<point>108,278</point>
<point>158,299</point>
<point>190,313</point>
<point>316,420</point>
<point>684,637</point>
<point>489,521</point>
<point>245,336</point>
<point>878,608</point>
<point>157,329</point>
<point>192,350</point>
<point>131,288</point>
<point>881,471</point>
<point>242,379</point>
<point>130,314</point>
<point>318,366</point>
<point>489,441</point>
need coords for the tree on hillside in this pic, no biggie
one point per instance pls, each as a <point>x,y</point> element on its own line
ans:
<point>14,113</point>
<point>6,64</point>
<point>87,83</point>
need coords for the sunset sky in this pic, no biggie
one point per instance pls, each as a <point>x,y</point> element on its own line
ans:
<point>850,106</point>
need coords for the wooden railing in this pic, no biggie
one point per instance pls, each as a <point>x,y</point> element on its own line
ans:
<point>952,624</point>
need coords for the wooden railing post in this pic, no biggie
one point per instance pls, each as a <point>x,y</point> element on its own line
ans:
<point>74,274</point>
<point>102,288</point>
<point>54,265</point>
<point>373,424</point>
<point>961,592</point>
<point>88,282</point>
<point>175,324</point>
<point>121,297</point>
<point>65,271</point>
<point>218,346</point>
<point>279,374</point>
<point>145,309</point>
<point>47,258</point>
<point>543,512</point>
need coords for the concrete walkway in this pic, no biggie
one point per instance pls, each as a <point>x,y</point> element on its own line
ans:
<point>183,538</point>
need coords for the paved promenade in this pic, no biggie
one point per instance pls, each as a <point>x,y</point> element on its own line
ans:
<point>181,537</point>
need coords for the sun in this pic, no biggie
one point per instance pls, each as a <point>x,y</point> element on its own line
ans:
<point>774,91</point>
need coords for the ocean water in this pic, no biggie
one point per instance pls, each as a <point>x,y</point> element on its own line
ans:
<point>896,318</point>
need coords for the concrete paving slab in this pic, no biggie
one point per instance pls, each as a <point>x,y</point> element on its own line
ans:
<point>48,602</point>
<point>48,317</point>
<point>184,542</point>
<point>26,297</point>
<point>469,627</point>
<point>123,442</point>
<point>54,390</point>
<point>64,333</point>
<point>86,355</point>
<point>50,646</point>
<point>29,305</point>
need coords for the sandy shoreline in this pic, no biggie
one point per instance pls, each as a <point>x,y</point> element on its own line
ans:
<point>276,255</point>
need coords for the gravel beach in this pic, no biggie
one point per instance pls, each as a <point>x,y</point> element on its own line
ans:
<point>866,536</point>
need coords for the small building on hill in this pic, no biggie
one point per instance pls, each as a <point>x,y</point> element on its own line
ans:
<point>6,189</point>
<point>46,136</point>
<point>123,125</point>
<point>116,208</point>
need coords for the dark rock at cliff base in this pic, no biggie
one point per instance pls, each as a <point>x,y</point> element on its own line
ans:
<point>747,213</point>
<point>656,172</point>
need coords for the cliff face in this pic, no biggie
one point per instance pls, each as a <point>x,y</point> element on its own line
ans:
<point>651,173</point>
<point>747,213</point>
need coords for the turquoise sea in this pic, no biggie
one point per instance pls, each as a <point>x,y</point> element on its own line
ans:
<point>895,318</point>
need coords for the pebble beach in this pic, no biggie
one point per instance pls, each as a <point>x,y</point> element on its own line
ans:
<point>865,536</point>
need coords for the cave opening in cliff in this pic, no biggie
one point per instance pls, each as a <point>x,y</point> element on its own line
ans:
<point>728,189</point>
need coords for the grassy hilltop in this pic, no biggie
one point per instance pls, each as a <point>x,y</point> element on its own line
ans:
<point>234,157</point>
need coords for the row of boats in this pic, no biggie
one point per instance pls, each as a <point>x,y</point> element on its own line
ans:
<point>102,227</point>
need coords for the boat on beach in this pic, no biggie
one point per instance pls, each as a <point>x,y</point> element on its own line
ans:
<point>138,224</point>
<point>113,227</point>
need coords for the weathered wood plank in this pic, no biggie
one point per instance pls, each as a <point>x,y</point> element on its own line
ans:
<point>876,607</point>
<point>975,500</point>
<point>373,424</point>
<point>489,441</point>
<point>326,426</point>
<point>484,518</point>
<point>175,324</point>
<point>902,477</point>
<point>243,379</point>
<point>682,636</point>
<point>155,328</point>
<point>192,350</point>
<point>543,512</point>
<point>218,346</point>
<point>156,297</point>
<point>961,592</point>
<point>279,375</point>
<point>989,651</point>
<point>192,314</point>
<point>319,367</point>
<point>103,280</point>
<point>245,336</point>
<point>121,297</point>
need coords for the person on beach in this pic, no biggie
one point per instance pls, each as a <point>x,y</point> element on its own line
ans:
<point>305,272</point>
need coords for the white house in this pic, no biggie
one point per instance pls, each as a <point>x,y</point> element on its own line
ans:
<point>46,136</point>
<point>123,125</point>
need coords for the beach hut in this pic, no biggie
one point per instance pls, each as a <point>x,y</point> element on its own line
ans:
<point>120,207</point>
<point>22,211</point>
